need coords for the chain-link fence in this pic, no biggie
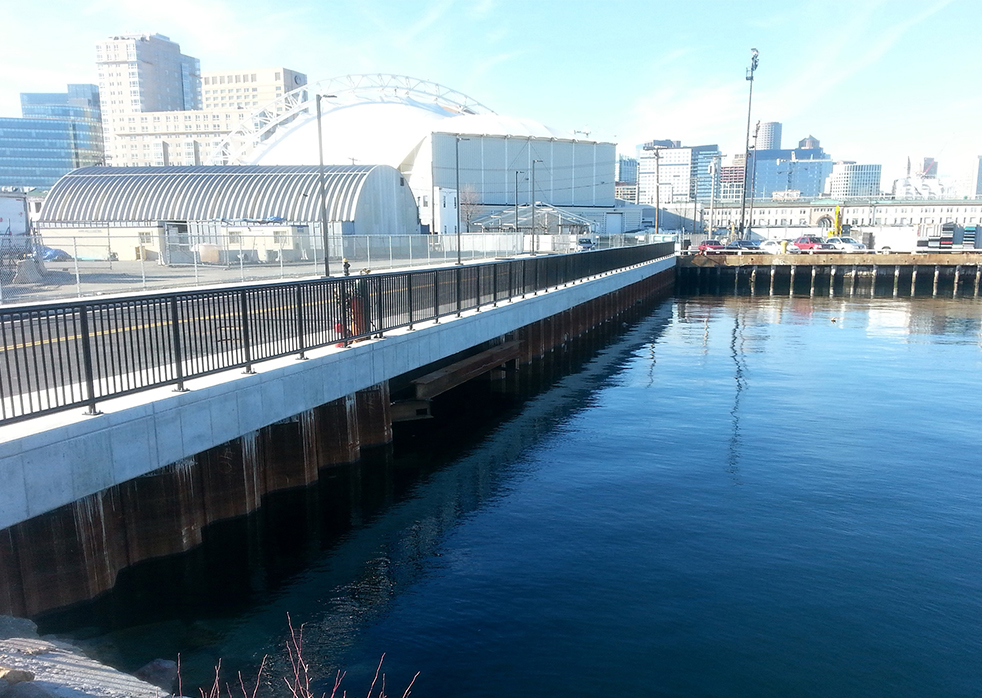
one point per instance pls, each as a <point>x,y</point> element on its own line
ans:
<point>65,266</point>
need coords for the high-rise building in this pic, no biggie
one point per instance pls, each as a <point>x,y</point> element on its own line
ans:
<point>189,137</point>
<point>141,73</point>
<point>627,170</point>
<point>683,173</point>
<point>161,109</point>
<point>247,89</point>
<point>802,170</point>
<point>769,136</point>
<point>809,142</point>
<point>849,180</point>
<point>929,168</point>
<point>58,132</point>
<point>978,178</point>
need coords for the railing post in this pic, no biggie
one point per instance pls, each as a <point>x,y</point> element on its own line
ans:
<point>409,294</point>
<point>524,281</point>
<point>436,297</point>
<point>457,270</point>
<point>511,281</point>
<point>246,341</point>
<point>87,362</point>
<point>494,286</point>
<point>301,345</point>
<point>477,272</point>
<point>175,331</point>
<point>379,309</point>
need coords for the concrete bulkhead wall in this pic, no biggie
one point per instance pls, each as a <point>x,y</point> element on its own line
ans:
<point>230,441</point>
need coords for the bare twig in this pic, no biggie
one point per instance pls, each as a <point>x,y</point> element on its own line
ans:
<point>372,687</point>
<point>410,686</point>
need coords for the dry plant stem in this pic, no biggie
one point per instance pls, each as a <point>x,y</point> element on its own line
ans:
<point>410,686</point>
<point>372,687</point>
<point>337,684</point>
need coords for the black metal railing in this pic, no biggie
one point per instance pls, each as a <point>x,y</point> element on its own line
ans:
<point>66,355</point>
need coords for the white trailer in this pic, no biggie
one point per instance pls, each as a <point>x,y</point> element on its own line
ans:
<point>15,227</point>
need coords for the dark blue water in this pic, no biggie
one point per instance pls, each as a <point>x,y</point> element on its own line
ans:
<point>738,497</point>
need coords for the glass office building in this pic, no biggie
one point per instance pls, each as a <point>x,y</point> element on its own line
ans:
<point>58,133</point>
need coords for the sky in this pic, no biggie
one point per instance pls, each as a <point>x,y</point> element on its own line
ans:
<point>876,81</point>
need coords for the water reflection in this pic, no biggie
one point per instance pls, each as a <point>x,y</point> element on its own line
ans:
<point>334,556</point>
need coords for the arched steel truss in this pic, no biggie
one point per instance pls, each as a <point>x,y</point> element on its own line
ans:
<point>337,92</point>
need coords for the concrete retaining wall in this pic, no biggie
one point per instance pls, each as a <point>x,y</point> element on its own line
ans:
<point>54,460</point>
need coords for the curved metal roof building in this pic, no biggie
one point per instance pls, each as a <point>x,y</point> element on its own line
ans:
<point>373,197</point>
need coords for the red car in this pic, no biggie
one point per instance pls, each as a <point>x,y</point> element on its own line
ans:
<point>810,242</point>
<point>710,245</point>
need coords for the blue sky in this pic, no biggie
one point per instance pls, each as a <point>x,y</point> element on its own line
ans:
<point>875,81</point>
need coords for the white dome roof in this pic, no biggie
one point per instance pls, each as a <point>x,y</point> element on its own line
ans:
<point>383,132</point>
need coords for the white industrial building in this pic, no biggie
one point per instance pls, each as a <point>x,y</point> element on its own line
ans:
<point>452,150</point>
<point>252,213</point>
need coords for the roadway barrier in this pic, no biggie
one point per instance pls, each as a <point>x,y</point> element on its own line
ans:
<point>64,355</point>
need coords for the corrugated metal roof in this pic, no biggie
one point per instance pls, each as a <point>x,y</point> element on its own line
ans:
<point>95,195</point>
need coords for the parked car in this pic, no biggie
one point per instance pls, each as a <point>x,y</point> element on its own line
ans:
<point>585,244</point>
<point>743,246</point>
<point>847,244</point>
<point>809,242</point>
<point>708,245</point>
<point>771,246</point>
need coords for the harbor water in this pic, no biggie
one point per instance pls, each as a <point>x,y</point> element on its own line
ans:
<point>771,496</point>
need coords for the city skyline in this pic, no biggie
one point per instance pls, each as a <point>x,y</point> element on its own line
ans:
<point>876,82</point>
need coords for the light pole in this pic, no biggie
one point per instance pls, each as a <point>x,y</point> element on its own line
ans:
<point>657,189</point>
<point>457,168</point>
<point>516,200</point>
<point>533,206</point>
<point>753,180</point>
<point>714,173</point>
<point>320,178</point>
<point>746,143</point>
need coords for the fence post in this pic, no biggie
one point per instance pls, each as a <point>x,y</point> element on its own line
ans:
<point>175,331</point>
<point>246,341</point>
<point>300,324</point>
<point>87,362</point>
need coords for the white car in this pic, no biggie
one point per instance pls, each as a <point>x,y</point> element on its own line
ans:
<point>770,246</point>
<point>846,244</point>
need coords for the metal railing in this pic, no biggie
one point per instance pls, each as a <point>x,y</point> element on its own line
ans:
<point>64,355</point>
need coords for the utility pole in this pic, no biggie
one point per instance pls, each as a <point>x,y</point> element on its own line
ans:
<point>746,144</point>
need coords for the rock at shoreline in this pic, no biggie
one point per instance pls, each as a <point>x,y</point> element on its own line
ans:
<point>160,672</point>
<point>11,627</point>
<point>14,676</point>
<point>27,690</point>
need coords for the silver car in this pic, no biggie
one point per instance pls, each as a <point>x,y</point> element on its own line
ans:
<point>846,244</point>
